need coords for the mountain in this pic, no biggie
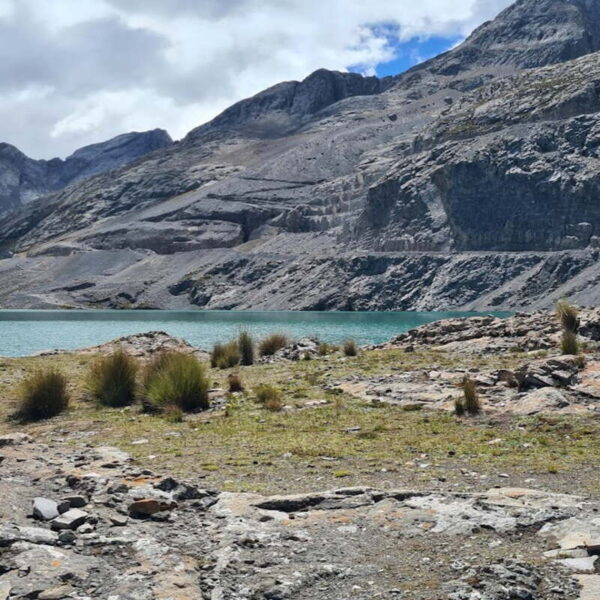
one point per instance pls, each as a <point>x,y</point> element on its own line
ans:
<point>23,179</point>
<point>470,181</point>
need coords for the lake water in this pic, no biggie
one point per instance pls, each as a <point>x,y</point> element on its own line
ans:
<point>23,332</point>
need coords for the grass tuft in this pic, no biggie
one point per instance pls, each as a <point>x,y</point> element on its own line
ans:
<point>246,348</point>
<point>269,396</point>
<point>225,356</point>
<point>235,383</point>
<point>350,348</point>
<point>175,380</point>
<point>326,349</point>
<point>568,316</point>
<point>472,403</point>
<point>270,345</point>
<point>569,343</point>
<point>112,379</point>
<point>42,395</point>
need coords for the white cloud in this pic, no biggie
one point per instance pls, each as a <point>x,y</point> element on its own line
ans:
<point>109,66</point>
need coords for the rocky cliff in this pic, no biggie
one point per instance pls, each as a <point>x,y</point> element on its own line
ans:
<point>470,181</point>
<point>23,179</point>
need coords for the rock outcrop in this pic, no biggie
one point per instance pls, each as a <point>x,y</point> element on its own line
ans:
<point>468,182</point>
<point>130,533</point>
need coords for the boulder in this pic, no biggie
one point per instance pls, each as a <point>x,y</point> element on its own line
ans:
<point>539,401</point>
<point>45,509</point>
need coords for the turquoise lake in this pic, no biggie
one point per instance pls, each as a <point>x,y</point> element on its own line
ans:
<point>24,332</point>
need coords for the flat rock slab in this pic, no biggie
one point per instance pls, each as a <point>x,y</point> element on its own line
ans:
<point>580,565</point>
<point>71,519</point>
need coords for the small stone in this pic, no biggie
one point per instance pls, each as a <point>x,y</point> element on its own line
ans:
<point>149,506</point>
<point>66,536</point>
<point>76,501</point>
<point>118,520</point>
<point>45,509</point>
<point>72,519</point>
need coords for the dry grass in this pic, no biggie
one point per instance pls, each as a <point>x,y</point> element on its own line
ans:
<point>225,356</point>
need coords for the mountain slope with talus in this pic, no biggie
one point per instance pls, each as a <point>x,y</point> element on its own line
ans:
<point>470,181</point>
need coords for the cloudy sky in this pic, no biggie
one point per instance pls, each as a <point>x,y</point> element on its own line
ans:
<point>74,72</point>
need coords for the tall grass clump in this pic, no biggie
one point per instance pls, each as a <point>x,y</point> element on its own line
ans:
<point>569,321</point>
<point>225,356</point>
<point>175,381</point>
<point>350,348</point>
<point>112,379</point>
<point>568,316</point>
<point>42,395</point>
<point>246,348</point>
<point>269,396</point>
<point>272,344</point>
<point>569,343</point>
<point>470,402</point>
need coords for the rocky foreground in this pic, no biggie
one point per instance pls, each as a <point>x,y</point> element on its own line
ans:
<point>89,523</point>
<point>83,520</point>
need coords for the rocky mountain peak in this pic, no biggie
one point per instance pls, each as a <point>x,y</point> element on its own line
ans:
<point>284,106</point>
<point>529,33</point>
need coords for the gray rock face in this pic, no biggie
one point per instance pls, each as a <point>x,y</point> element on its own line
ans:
<point>23,179</point>
<point>467,182</point>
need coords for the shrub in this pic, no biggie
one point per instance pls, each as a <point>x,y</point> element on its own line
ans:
<point>568,316</point>
<point>235,383</point>
<point>175,380</point>
<point>472,404</point>
<point>272,344</point>
<point>246,348</point>
<point>580,361</point>
<point>350,348</point>
<point>225,356</point>
<point>42,395</point>
<point>569,343</point>
<point>268,396</point>
<point>112,379</point>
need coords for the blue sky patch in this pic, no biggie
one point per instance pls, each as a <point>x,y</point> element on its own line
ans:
<point>410,53</point>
